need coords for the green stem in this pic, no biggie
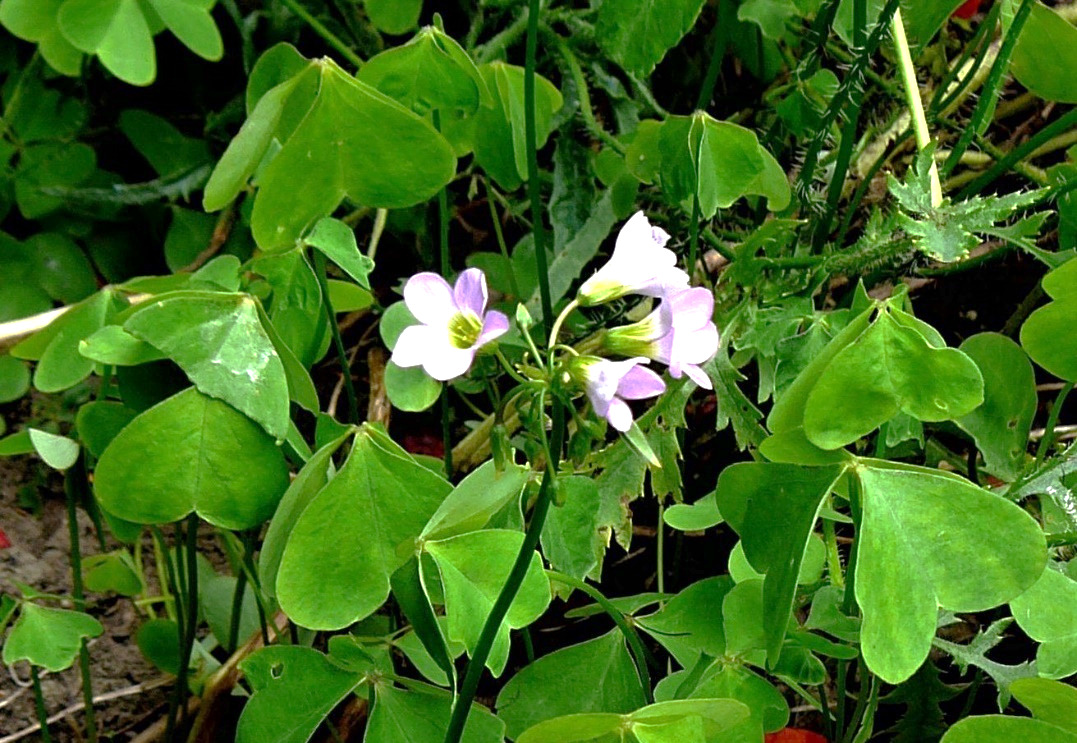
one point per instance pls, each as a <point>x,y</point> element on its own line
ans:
<point>71,490</point>
<point>1052,420</point>
<point>582,92</point>
<point>988,95</point>
<point>618,617</point>
<point>237,611</point>
<point>833,557</point>
<point>189,587</point>
<point>533,184</point>
<point>1049,132</point>
<point>381,216</point>
<point>660,547</point>
<point>849,599</point>
<point>950,90</point>
<point>39,705</point>
<point>556,329</point>
<point>502,41</point>
<point>719,39</point>
<point>252,578</point>
<point>841,682</point>
<point>444,269</point>
<point>912,99</point>
<point>857,70</point>
<point>462,703</point>
<point>848,137</point>
<point>319,28</point>
<point>868,685</point>
<point>693,233</point>
<point>508,368</point>
<point>338,340</point>
<point>501,244</point>
<point>164,574</point>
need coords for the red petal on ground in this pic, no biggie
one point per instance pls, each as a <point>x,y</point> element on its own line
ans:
<point>4,541</point>
<point>794,735</point>
<point>968,9</point>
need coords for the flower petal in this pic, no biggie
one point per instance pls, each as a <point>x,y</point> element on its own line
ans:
<point>444,361</point>
<point>696,346</point>
<point>414,344</point>
<point>619,415</point>
<point>640,383</point>
<point>430,299</point>
<point>698,376</point>
<point>494,325</point>
<point>690,309</point>
<point>470,291</point>
<point>638,235</point>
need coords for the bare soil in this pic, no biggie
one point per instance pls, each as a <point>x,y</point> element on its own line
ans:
<point>38,557</point>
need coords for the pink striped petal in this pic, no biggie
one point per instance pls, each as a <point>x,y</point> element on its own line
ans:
<point>470,291</point>
<point>430,299</point>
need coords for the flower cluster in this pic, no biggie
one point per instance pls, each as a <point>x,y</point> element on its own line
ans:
<point>454,325</point>
<point>679,333</point>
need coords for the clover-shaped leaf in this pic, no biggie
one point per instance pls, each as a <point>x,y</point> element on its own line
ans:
<point>191,453</point>
<point>47,637</point>
<point>638,34</point>
<point>302,490</point>
<point>717,162</point>
<point>1047,612</point>
<point>773,508</point>
<point>219,341</point>
<point>594,676</point>
<point>430,72</point>
<point>355,533</point>
<point>1001,424</point>
<point>929,540</point>
<point>1047,334</point>
<point>478,497</point>
<point>675,721</point>
<point>295,688</point>
<point>385,157</point>
<point>55,348</point>
<point>890,367</point>
<point>500,136</point>
<point>35,20</point>
<point>473,568</point>
<point>421,713</point>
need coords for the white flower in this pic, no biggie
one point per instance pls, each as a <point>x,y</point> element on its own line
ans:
<point>640,264</point>
<point>609,384</point>
<point>680,333</point>
<point>453,324</point>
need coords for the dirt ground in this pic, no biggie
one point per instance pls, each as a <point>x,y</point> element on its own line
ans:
<point>38,557</point>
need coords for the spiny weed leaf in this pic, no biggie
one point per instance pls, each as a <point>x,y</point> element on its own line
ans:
<point>921,694</point>
<point>948,232</point>
<point>975,654</point>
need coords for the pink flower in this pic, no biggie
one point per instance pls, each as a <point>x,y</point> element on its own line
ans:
<point>640,264</point>
<point>680,333</point>
<point>453,324</point>
<point>609,384</point>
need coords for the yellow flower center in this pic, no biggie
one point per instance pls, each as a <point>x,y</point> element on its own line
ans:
<point>464,329</point>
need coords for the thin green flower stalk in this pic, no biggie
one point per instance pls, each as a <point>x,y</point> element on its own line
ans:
<point>912,99</point>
